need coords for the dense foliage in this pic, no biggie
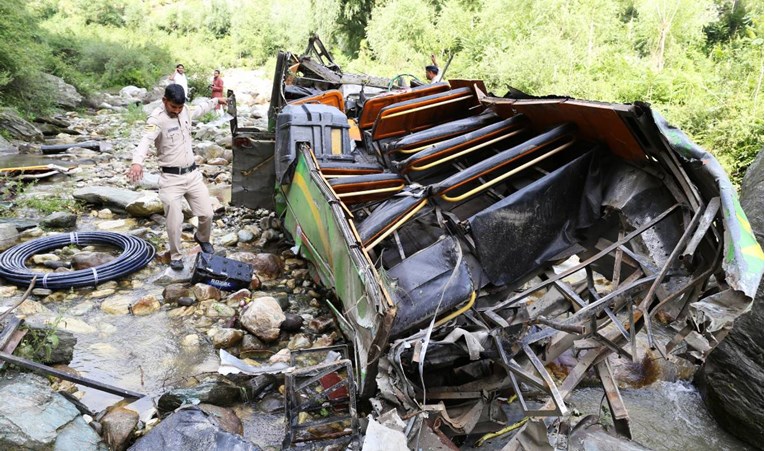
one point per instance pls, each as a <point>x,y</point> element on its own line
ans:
<point>699,62</point>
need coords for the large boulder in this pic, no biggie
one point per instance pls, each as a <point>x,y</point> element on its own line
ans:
<point>263,318</point>
<point>34,417</point>
<point>17,127</point>
<point>191,429</point>
<point>64,94</point>
<point>107,195</point>
<point>731,380</point>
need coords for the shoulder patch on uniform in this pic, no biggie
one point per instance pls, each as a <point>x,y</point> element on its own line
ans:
<point>150,128</point>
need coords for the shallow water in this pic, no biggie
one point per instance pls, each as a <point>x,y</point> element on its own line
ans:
<point>665,416</point>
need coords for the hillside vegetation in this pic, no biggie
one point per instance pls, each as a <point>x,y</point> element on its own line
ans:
<point>698,61</point>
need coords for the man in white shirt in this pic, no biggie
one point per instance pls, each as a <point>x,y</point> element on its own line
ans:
<point>179,77</point>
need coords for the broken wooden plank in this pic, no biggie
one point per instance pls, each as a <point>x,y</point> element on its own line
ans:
<point>615,402</point>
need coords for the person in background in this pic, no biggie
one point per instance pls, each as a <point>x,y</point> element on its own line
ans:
<point>431,71</point>
<point>179,77</point>
<point>217,89</point>
<point>169,128</point>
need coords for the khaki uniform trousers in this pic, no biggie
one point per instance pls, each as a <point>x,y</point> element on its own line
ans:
<point>172,189</point>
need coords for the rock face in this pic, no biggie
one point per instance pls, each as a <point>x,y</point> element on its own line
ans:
<point>192,430</point>
<point>731,380</point>
<point>34,417</point>
<point>18,127</point>
<point>65,95</point>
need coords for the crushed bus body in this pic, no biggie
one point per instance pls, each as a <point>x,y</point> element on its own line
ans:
<point>473,240</point>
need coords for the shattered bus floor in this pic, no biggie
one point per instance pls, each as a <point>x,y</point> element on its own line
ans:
<point>472,240</point>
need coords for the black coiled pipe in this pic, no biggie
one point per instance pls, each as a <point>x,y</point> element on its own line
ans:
<point>136,253</point>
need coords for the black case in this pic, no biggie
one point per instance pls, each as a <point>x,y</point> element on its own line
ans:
<point>222,273</point>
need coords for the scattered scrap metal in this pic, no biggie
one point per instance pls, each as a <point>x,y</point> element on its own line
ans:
<point>472,240</point>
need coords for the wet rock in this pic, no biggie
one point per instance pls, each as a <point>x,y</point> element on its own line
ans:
<point>104,293</point>
<point>263,317</point>
<point>251,347</point>
<point>32,416</point>
<point>104,213</point>
<point>8,236</point>
<point>204,292</point>
<point>81,308</point>
<point>245,236</point>
<point>107,195</point>
<point>59,220</point>
<point>191,429</point>
<point>266,266</point>
<point>190,341</point>
<point>175,291</point>
<point>320,325</point>
<point>226,337</point>
<point>56,265</point>
<point>119,305</point>
<point>145,206</point>
<point>171,276</point>
<point>52,345</point>
<point>229,239</point>
<point>271,403</point>
<point>731,380</point>
<point>214,390</point>
<point>146,305</point>
<point>219,310</point>
<point>117,425</point>
<point>299,341</point>
<point>64,94</point>
<point>292,322</point>
<point>226,418</point>
<point>241,295</point>
<point>186,301</point>
<point>17,127</point>
<point>84,260</point>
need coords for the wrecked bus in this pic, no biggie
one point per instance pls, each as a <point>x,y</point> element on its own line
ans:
<point>471,240</point>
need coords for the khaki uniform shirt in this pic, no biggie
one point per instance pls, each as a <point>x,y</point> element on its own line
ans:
<point>171,135</point>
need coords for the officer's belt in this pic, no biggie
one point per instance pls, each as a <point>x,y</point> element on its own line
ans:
<point>178,171</point>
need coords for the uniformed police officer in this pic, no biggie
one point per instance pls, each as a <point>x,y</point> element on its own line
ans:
<point>169,128</point>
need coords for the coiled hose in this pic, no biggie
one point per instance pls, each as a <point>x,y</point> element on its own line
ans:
<point>136,253</point>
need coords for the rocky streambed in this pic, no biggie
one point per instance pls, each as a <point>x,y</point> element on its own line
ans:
<point>157,333</point>
<point>153,332</point>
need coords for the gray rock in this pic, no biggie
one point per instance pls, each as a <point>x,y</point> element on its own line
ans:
<point>64,94</point>
<point>106,195</point>
<point>191,429</point>
<point>55,350</point>
<point>132,92</point>
<point>216,390</point>
<point>8,236</point>
<point>731,379</point>
<point>151,106</point>
<point>19,223</point>
<point>263,317</point>
<point>18,127</point>
<point>252,347</point>
<point>60,220</point>
<point>117,426</point>
<point>32,416</point>
<point>226,418</point>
